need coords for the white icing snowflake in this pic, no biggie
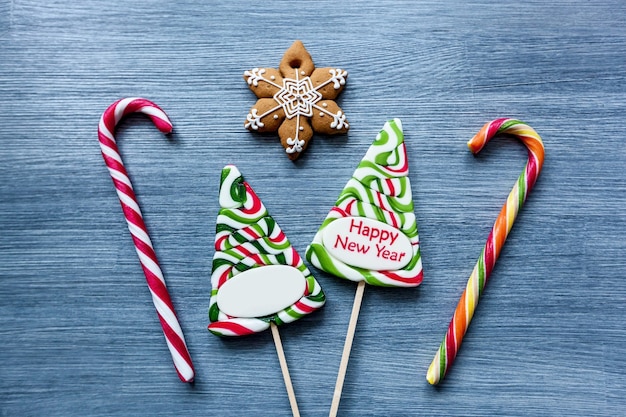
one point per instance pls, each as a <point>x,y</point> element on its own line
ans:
<point>297,97</point>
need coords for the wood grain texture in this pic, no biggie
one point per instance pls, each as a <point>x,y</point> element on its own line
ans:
<point>77,328</point>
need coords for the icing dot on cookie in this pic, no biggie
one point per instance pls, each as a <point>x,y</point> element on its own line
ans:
<point>301,128</point>
<point>321,114</point>
<point>324,105</point>
<point>272,78</point>
<point>275,117</point>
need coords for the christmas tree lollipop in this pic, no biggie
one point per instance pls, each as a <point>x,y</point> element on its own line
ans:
<point>259,281</point>
<point>370,235</point>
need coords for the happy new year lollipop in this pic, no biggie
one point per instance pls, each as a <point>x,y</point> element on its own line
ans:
<point>258,281</point>
<point>370,235</point>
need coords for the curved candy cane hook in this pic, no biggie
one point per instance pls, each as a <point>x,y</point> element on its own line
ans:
<point>478,279</point>
<point>147,257</point>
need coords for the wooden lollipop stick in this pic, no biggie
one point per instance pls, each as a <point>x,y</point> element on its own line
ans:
<point>285,370</point>
<point>347,347</point>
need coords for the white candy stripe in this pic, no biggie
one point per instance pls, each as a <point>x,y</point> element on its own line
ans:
<point>161,301</point>
<point>152,267</point>
<point>120,107</point>
<point>104,130</point>
<point>140,234</point>
<point>152,111</point>
<point>106,148</point>
<point>118,176</point>
<point>167,314</point>
<point>253,325</point>
<point>381,200</point>
<point>180,363</point>
<point>227,239</point>
<point>222,331</point>
<point>229,256</point>
<point>237,223</point>
<point>109,152</point>
<point>128,201</point>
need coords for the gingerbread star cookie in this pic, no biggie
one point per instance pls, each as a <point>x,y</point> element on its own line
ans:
<point>296,100</point>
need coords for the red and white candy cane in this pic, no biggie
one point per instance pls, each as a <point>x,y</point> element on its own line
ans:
<point>147,257</point>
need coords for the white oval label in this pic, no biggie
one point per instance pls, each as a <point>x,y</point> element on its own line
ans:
<point>367,243</point>
<point>261,291</point>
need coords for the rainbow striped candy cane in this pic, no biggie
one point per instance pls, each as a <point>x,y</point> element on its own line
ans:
<point>478,279</point>
<point>147,257</point>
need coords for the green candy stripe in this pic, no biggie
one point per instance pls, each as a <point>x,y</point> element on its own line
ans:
<point>358,190</point>
<point>230,237</point>
<point>238,216</point>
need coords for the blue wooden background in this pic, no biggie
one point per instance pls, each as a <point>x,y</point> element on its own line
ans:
<point>78,332</point>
